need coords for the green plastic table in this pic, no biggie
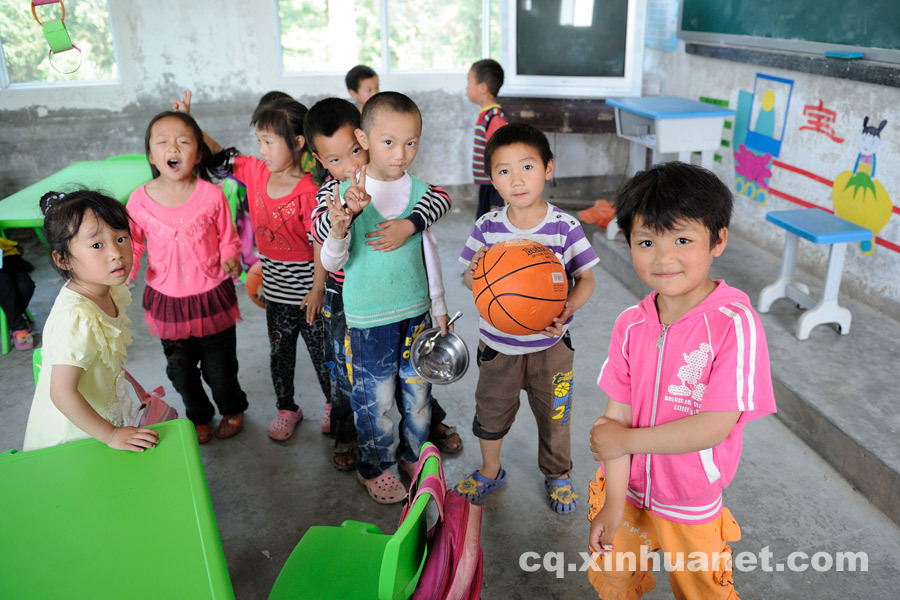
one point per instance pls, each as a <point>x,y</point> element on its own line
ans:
<point>117,176</point>
<point>81,520</point>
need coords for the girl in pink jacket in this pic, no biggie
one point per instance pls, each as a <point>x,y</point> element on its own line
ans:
<point>184,224</point>
<point>687,368</point>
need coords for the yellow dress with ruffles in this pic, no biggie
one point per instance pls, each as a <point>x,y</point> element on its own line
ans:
<point>80,334</point>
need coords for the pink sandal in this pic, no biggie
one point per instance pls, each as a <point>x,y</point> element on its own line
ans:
<point>22,339</point>
<point>384,489</point>
<point>282,426</point>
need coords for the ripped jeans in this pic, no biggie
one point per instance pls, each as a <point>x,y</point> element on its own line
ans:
<point>382,361</point>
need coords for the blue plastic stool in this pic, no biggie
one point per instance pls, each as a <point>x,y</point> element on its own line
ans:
<point>818,227</point>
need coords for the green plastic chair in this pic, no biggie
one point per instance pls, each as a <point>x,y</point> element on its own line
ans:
<point>5,341</point>
<point>356,560</point>
<point>36,364</point>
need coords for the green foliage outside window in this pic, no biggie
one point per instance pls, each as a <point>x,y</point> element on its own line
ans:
<point>424,35</point>
<point>25,48</point>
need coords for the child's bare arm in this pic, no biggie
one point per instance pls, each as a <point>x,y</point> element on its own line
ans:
<point>315,299</point>
<point>578,297</point>
<point>704,430</point>
<point>183,105</point>
<point>65,396</point>
<point>608,520</point>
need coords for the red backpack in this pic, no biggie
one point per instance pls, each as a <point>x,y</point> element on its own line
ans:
<point>454,566</point>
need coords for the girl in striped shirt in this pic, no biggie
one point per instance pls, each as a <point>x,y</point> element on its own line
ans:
<point>281,197</point>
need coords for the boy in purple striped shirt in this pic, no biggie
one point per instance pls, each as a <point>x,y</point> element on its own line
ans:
<point>519,162</point>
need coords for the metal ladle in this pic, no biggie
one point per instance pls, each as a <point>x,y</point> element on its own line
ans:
<point>429,343</point>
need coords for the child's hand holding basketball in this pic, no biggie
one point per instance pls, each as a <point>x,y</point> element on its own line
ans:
<point>356,198</point>
<point>339,216</point>
<point>477,258</point>
<point>555,329</point>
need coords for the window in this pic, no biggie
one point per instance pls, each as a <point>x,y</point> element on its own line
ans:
<point>25,50</point>
<point>387,35</point>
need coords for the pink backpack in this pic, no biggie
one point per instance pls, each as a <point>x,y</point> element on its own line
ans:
<point>153,408</point>
<point>454,567</point>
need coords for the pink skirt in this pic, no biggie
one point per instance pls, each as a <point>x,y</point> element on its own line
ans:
<point>199,315</point>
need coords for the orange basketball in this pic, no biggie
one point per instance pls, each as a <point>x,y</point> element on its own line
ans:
<point>254,282</point>
<point>520,287</point>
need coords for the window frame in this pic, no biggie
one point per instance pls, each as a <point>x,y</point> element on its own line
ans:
<point>6,84</point>
<point>384,61</point>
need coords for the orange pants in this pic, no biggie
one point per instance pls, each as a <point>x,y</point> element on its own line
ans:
<point>618,578</point>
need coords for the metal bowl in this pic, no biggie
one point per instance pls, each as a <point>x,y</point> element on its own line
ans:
<point>447,361</point>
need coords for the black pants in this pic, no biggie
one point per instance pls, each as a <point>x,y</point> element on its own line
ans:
<point>16,289</point>
<point>488,199</point>
<point>286,322</point>
<point>218,365</point>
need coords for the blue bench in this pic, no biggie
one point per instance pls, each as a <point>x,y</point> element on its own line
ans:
<point>818,227</point>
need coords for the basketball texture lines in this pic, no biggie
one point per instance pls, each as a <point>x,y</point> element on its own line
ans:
<point>519,287</point>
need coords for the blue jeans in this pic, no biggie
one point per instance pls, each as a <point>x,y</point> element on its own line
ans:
<point>336,360</point>
<point>381,361</point>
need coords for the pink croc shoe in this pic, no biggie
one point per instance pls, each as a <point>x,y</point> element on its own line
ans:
<point>22,339</point>
<point>282,426</point>
<point>384,489</point>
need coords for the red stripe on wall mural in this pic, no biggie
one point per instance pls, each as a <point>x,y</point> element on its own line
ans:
<point>814,177</point>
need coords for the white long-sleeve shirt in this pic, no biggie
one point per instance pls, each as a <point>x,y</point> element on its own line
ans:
<point>390,199</point>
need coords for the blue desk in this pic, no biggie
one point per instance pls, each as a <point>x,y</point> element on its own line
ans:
<point>818,227</point>
<point>668,125</point>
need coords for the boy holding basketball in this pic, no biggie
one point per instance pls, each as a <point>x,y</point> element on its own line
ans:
<point>519,162</point>
<point>388,297</point>
<point>687,368</point>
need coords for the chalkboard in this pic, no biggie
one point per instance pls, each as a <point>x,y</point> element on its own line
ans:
<point>806,25</point>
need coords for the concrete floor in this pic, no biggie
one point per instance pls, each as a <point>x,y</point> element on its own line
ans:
<point>266,494</point>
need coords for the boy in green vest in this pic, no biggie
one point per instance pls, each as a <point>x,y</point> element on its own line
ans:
<point>387,295</point>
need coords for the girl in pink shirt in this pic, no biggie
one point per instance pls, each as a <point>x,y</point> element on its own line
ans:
<point>184,224</point>
<point>281,197</point>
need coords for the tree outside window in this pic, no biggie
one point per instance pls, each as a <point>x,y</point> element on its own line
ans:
<point>422,35</point>
<point>25,48</point>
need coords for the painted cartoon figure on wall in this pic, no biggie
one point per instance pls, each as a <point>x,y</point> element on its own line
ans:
<point>858,197</point>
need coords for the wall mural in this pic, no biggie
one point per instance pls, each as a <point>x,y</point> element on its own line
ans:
<point>759,132</point>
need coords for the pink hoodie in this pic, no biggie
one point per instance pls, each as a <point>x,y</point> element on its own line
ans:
<point>714,358</point>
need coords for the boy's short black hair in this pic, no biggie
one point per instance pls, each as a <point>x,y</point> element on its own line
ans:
<point>393,101</point>
<point>357,74</point>
<point>669,192</point>
<point>327,116</point>
<point>489,71</point>
<point>517,133</point>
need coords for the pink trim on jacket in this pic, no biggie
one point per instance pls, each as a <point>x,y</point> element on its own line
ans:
<point>714,358</point>
<point>186,244</point>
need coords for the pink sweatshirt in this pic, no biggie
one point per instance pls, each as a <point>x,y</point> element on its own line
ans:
<point>714,358</point>
<point>186,244</point>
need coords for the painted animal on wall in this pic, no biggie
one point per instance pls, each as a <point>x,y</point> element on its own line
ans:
<point>857,195</point>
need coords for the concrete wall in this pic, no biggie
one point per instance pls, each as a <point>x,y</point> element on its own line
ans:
<point>228,53</point>
<point>874,278</point>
